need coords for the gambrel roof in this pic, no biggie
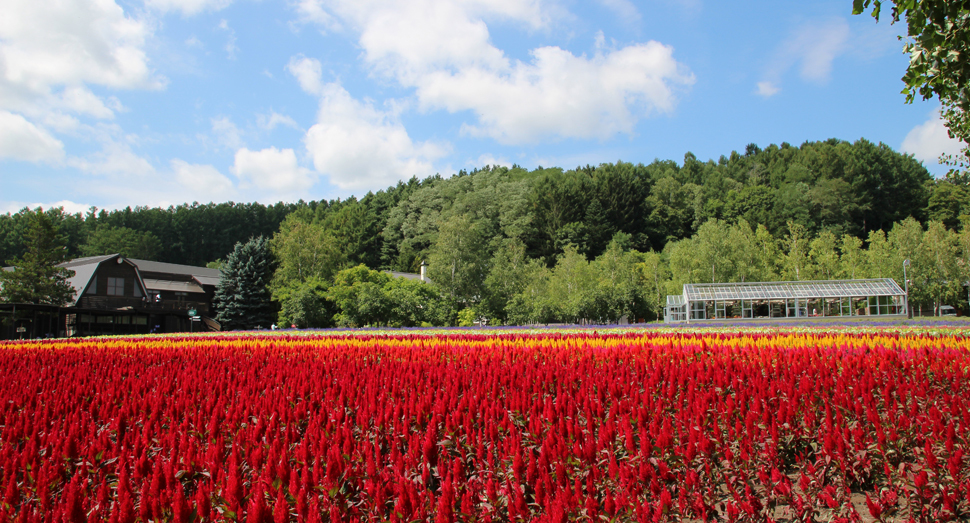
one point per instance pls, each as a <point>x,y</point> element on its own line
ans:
<point>85,269</point>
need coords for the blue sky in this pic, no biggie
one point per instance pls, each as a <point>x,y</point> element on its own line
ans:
<point>160,102</point>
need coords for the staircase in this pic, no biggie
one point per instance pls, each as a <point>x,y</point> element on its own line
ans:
<point>211,324</point>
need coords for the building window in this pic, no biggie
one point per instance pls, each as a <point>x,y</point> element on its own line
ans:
<point>116,286</point>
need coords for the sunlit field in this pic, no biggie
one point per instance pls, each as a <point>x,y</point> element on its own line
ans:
<point>808,423</point>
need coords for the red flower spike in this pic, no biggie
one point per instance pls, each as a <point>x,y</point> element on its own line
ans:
<point>12,496</point>
<point>202,505</point>
<point>445,509</point>
<point>73,508</point>
<point>144,503</point>
<point>302,509</point>
<point>930,457</point>
<point>578,394</point>
<point>314,516</point>
<point>875,509</point>
<point>609,505</point>
<point>921,479</point>
<point>180,508</point>
<point>257,511</point>
<point>467,503</point>
<point>281,509</point>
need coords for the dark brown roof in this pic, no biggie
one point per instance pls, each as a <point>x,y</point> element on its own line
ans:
<point>84,269</point>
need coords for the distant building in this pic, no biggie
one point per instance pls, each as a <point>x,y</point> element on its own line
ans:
<point>422,276</point>
<point>118,295</point>
<point>786,299</point>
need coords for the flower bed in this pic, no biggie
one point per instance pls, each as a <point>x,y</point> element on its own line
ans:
<point>659,425</point>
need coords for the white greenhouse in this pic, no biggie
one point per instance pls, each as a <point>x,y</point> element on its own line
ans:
<point>786,299</point>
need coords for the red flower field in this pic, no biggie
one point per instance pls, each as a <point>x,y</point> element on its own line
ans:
<point>624,426</point>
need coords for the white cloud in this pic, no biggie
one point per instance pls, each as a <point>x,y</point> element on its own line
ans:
<point>272,169</point>
<point>119,177</point>
<point>560,94</point>
<point>625,10</point>
<point>187,7</point>
<point>820,46</point>
<point>82,42</point>
<point>767,89</point>
<point>928,140</point>
<point>356,145</point>
<point>312,11</point>
<point>444,51</point>
<point>488,159</point>
<point>205,182</point>
<point>22,140</point>
<point>227,134</point>
<point>230,46</point>
<point>83,101</point>
<point>408,40</point>
<point>275,119</point>
<point>812,48</point>
<point>360,147</point>
<point>872,41</point>
<point>68,206</point>
<point>308,73</point>
<point>51,54</point>
<point>61,122</point>
<point>116,161</point>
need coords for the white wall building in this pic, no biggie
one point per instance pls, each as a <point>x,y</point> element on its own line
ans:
<point>786,299</point>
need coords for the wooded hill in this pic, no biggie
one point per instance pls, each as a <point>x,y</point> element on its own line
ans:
<point>482,224</point>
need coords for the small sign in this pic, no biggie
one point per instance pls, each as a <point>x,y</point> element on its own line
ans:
<point>192,312</point>
<point>21,329</point>
<point>196,318</point>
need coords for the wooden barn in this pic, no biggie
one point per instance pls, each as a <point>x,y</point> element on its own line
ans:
<point>118,295</point>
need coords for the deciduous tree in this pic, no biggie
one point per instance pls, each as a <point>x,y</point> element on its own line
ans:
<point>358,294</point>
<point>796,248</point>
<point>305,304</point>
<point>458,260</point>
<point>939,51</point>
<point>304,250</point>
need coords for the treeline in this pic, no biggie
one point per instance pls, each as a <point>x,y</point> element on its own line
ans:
<point>515,245</point>
<point>937,270</point>
<point>625,283</point>
<point>186,234</point>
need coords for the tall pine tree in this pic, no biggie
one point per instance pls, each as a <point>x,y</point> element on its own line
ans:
<point>36,278</point>
<point>242,299</point>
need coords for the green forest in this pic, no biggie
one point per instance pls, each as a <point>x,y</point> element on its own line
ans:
<point>590,244</point>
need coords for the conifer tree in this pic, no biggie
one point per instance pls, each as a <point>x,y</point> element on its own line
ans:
<point>242,299</point>
<point>36,277</point>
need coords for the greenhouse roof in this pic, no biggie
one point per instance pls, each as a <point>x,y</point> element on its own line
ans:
<point>791,289</point>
